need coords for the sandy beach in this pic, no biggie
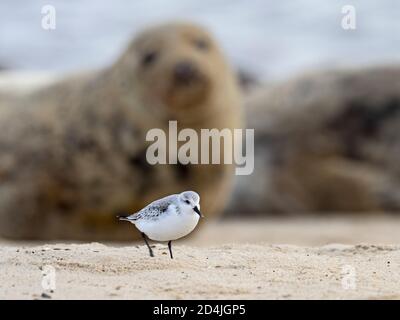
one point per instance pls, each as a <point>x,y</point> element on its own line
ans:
<point>219,262</point>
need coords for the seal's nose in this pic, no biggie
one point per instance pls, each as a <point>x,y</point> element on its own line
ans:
<point>184,73</point>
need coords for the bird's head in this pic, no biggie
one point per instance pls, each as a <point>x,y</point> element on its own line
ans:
<point>191,199</point>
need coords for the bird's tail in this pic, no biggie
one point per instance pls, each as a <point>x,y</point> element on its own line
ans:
<point>123,218</point>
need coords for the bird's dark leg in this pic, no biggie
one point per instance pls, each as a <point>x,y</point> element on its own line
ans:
<point>148,246</point>
<point>170,249</point>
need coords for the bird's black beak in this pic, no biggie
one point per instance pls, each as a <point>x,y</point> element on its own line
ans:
<point>196,209</point>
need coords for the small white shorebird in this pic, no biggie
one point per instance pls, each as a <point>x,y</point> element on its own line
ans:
<point>167,219</point>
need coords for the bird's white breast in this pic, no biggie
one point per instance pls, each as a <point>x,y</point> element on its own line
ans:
<point>169,226</point>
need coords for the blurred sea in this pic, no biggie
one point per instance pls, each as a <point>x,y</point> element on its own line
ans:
<point>272,39</point>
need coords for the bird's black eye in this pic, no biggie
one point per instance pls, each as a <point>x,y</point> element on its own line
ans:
<point>201,44</point>
<point>187,201</point>
<point>149,57</point>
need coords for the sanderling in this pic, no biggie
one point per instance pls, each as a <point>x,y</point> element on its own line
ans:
<point>167,219</point>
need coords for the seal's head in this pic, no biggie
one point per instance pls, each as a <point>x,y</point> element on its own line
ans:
<point>177,65</point>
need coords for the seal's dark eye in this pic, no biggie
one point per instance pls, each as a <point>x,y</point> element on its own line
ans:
<point>149,57</point>
<point>201,44</point>
<point>187,201</point>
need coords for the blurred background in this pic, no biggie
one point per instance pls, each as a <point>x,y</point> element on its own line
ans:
<point>324,104</point>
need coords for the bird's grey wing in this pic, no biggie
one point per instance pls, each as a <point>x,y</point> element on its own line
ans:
<point>155,208</point>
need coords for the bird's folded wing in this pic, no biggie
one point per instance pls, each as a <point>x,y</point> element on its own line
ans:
<point>154,209</point>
